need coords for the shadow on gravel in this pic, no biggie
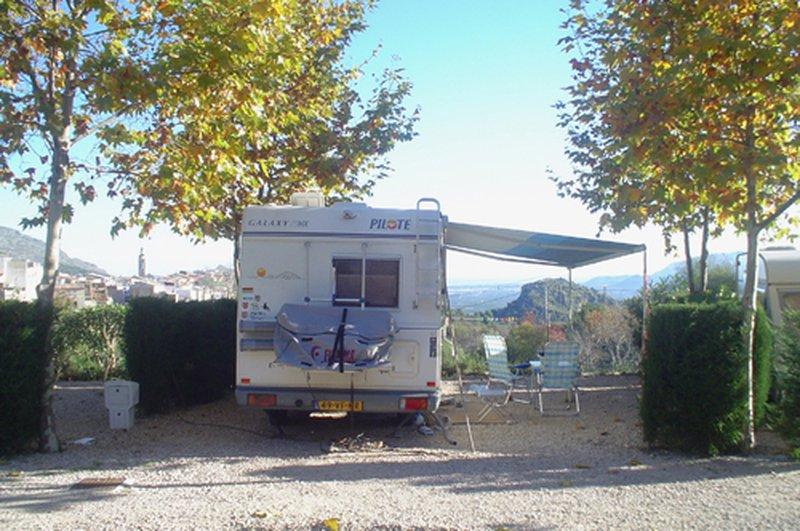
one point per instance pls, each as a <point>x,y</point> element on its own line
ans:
<point>49,498</point>
<point>508,473</point>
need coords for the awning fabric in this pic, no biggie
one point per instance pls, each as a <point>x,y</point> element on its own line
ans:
<point>533,247</point>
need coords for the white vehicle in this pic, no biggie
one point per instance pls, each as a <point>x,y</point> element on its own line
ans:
<point>344,307</point>
<point>778,280</point>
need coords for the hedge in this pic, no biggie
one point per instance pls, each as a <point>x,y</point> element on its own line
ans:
<point>789,404</point>
<point>23,355</point>
<point>181,354</point>
<point>763,352</point>
<point>694,392</point>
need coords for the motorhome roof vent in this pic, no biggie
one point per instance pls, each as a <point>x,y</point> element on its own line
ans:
<point>313,199</point>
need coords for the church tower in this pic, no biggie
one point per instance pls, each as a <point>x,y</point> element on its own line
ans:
<point>142,263</point>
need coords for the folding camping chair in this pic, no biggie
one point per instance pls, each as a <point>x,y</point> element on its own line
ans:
<point>560,372</point>
<point>499,388</point>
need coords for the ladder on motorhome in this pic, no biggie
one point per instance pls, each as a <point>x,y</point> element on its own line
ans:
<point>427,258</point>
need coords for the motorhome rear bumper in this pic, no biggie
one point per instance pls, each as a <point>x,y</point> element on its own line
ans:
<point>304,399</point>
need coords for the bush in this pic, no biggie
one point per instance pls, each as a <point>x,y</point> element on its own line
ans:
<point>469,361</point>
<point>762,352</point>
<point>180,353</point>
<point>525,341</point>
<point>23,355</point>
<point>694,393</point>
<point>89,342</point>
<point>789,405</point>
<point>608,339</point>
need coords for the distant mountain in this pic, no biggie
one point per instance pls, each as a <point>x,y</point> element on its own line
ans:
<point>532,299</point>
<point>624,286</point>
<point>474,298</point>
<point>17,245</point>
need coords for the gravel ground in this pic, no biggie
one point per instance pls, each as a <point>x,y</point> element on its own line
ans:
<point>590,471</point>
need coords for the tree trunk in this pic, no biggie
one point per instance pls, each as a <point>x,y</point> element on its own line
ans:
<point>687,250</point>
<point>749,296</point>
<point>52,251</point>
<point>48,440</point>
<point>749,307</point>
<point>703,280</point>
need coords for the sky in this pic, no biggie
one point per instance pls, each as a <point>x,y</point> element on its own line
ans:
<point>486,76</point>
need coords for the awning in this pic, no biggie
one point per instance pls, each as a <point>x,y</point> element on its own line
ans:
<point>533,247</point>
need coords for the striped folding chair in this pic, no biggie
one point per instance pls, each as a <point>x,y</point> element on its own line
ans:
<point>560,372</point>
<point>499,389</point>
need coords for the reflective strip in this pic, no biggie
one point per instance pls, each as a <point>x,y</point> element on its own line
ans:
<point>251,326</point>
<point>256,344</point>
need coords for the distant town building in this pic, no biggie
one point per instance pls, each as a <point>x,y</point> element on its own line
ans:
<point>82,291</point>
<point>142,263</point>
<point>19,278</point>
<point>72,296</point>
<point>143,288</point>
<point>118,294</point>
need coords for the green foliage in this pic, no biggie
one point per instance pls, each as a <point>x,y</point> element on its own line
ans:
<point>524,342</point>
<point>789,405</point>
<point>608,339</point>
<point>675,288</point>
<point>469,343</point>
<point>268,107</point>
<point>180,353</point>
<point>695,373</point>
<point>88,342</point>
<point>23,333</point>
<point>649,143</point>
<point>763,354</point>
<point>470,362</point>
<point>694,392</point>
<point>685,107</point>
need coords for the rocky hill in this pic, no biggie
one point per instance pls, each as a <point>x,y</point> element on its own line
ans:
<point>17,245</point>
<point>531,300</point>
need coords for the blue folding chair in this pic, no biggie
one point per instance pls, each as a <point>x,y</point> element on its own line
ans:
<point>560,373</point>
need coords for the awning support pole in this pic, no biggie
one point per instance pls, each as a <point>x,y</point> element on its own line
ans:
<point>547,312</point>
<point>645,302</point>
<point>569,298</point>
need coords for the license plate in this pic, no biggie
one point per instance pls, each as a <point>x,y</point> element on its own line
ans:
<point>340,405</point>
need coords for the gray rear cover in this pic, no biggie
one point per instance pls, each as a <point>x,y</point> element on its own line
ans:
<point>305,337</point>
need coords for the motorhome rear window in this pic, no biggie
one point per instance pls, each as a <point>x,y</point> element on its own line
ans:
<point>381,282</point>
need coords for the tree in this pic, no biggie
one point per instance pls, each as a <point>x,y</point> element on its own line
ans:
<point>195,72</point>
<point>525,341</point>
<point>288,117</point>
<point>611,175</point>
<point>67,69</point>
<point>96,330</point>
<point>607,337</point>
<point>689,104</point>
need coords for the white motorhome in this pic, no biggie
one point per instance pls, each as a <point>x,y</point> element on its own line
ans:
<point>310,274</point>
<point>778,280</point>
<point>343,307</point>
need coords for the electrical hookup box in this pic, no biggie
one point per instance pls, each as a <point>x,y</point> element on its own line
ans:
<point>121,398</point>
